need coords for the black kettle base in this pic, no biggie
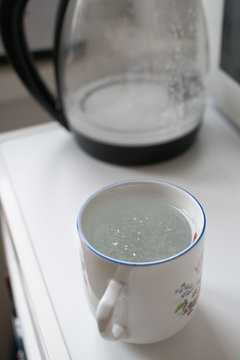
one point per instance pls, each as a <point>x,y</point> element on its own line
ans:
<point>136,155</point>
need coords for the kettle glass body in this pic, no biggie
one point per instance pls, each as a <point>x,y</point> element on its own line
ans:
<point>133,71</point>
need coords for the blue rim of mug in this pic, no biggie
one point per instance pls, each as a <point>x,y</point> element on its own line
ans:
<point>129,263</point>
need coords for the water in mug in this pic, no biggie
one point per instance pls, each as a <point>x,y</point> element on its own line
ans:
<point>140,229</point>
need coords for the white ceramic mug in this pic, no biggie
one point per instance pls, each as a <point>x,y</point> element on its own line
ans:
<point>142,302</point>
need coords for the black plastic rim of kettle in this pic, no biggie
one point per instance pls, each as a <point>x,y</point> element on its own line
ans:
<point>14,40</point>
<point>136,155</point>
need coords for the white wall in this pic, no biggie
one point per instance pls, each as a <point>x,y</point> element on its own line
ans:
<point>213,11</point>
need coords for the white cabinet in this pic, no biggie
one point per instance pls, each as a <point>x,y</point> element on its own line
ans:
<point>44,179</point>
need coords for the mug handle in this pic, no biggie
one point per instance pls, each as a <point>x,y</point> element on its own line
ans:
<point>105,311</point>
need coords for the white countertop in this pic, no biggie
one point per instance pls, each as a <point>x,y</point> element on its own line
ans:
<point>47,176</point>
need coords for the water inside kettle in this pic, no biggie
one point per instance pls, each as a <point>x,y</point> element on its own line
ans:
<point>137,110</point>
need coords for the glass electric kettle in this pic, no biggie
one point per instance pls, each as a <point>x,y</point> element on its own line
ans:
<point>130,74</point>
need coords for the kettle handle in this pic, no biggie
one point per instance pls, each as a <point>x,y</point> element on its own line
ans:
<point>13,36</point>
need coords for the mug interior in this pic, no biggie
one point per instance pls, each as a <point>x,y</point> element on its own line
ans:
<point>166,192</point>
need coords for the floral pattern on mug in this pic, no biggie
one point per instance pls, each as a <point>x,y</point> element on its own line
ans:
<point>189,293</point>
<point>189,296</point>
<point>198,267</point>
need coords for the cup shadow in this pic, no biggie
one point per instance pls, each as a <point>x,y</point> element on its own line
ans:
<point>197,341</point>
